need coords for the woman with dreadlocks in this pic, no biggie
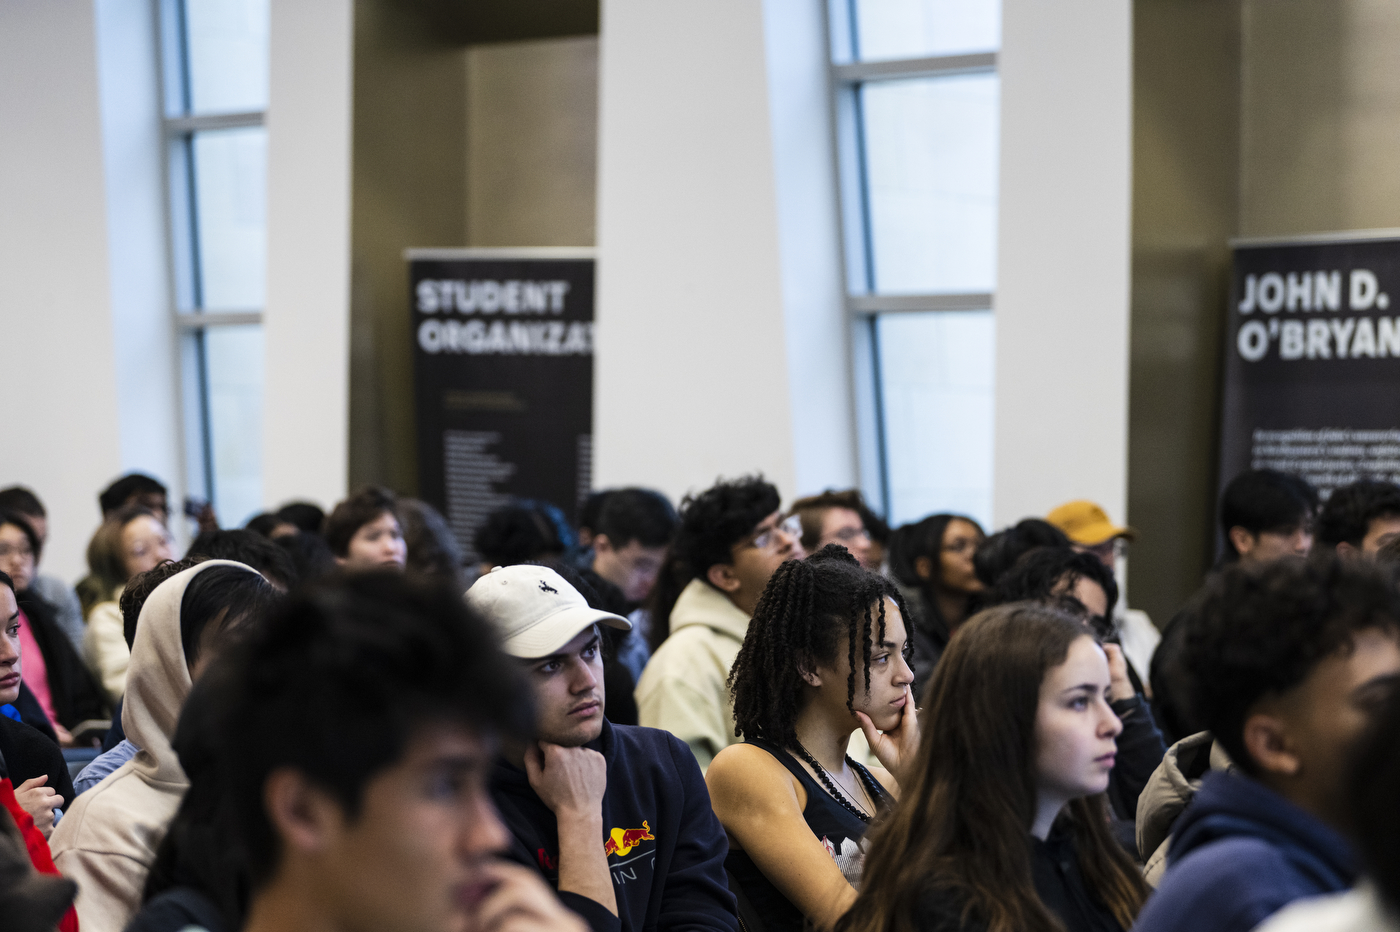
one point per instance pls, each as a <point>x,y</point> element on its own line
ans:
<point>824,656</point>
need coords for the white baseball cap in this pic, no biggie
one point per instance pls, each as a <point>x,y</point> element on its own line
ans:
<point>534,609</point>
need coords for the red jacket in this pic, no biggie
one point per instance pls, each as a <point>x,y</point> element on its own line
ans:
<point>38,847</point>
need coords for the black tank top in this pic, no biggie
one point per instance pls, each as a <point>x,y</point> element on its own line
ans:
<point>840,832</point>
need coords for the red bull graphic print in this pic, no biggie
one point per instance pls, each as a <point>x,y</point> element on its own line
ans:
<point>621,841</point>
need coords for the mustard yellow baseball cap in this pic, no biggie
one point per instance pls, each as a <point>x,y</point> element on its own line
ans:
<point>1086,523</point>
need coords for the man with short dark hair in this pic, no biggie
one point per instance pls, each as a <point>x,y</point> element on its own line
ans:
<point>1290,659</point>
<point>1266,514</point>
<point>364,533</point>
<point>617,818</point>
<point>836,518</point>
<point>1358,519</point>
<point>731,538</point>
<point>135,489</point>
<point>356,745</point>
<point>131,489</point>
<point>633,529</point>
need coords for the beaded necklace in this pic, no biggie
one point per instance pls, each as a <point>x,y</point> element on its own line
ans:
<point>867,782</point>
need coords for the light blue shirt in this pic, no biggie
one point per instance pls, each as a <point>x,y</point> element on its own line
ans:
<point>102,766</point>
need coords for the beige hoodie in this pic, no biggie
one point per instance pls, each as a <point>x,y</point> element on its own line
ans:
<point>684,688</point>
<point>107,842</point>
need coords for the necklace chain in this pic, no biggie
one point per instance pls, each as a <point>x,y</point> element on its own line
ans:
<point>841,797</point>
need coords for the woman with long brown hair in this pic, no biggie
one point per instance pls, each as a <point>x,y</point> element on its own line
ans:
<point>1002,825</point>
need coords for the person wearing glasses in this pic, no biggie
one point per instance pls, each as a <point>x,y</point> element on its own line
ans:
<point>836,518</point>
<point>730,540</point>
<point>931,560</point>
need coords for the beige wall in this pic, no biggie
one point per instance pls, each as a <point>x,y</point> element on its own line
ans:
<point>57,351</point>
<point>1063,257</point>
<point>692,375</point>
<point>305,323</point>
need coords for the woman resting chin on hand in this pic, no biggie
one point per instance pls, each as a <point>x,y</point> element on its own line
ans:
<point>794,805</point>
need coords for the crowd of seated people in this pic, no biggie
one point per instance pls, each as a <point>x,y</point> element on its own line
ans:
<point>717,714</point>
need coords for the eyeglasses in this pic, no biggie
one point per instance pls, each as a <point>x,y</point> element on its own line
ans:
<point>962,545</point>
<point>791,526</point>
<point>1108,550</point>
<point>23,551</point>
<point>852,533</point>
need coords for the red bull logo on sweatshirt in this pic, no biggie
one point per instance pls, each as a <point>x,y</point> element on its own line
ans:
<point>621,841</point>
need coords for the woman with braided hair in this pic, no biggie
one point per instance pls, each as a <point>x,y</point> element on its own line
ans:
<point>824,656</point>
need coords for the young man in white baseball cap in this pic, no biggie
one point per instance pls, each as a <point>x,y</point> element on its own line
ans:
<point>616,818</point>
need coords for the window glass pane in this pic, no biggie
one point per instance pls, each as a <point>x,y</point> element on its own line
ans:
<point>227,53</point>
<point>234,361</point>
<point>230,173</point>
<point>918,28</point>
<point>931,152</point>
<point>936,395</point>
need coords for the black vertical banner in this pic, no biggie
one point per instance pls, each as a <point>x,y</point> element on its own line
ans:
<point>1312,359</point>
<point>503,379</point>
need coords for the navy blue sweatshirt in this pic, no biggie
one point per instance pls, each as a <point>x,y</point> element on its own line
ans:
<point>1239,853</point>
<point>665,846</point>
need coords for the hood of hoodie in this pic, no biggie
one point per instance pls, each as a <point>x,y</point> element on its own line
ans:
<point>1232,805</point>
<point>702,604</point>
<point>158,679</point>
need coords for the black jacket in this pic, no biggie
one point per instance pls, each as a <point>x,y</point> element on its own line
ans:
<point>1140,752</point>
<point>29,754</point>
<point>666,848</point>
<point>1058,882</point>
<point>76,695</point>
<point>33,714</point>
<point>1171,681</point>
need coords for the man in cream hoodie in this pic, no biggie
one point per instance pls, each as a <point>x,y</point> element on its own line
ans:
<point>108,840</point>
<point>731,538</point>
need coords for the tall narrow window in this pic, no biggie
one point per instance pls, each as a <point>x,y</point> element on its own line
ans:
<point>215,84</point>
<point>918,119</point>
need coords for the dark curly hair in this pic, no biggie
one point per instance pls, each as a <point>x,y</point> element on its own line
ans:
<point>999,553</point>
<point>720,517</point>
<point>711,523</point>
<point>798,623</point>
<point>1347,515</point>
<point>1261,500</point>
<point>1039,572</point>
<point>1262,630</point>
<point>524,531</point>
